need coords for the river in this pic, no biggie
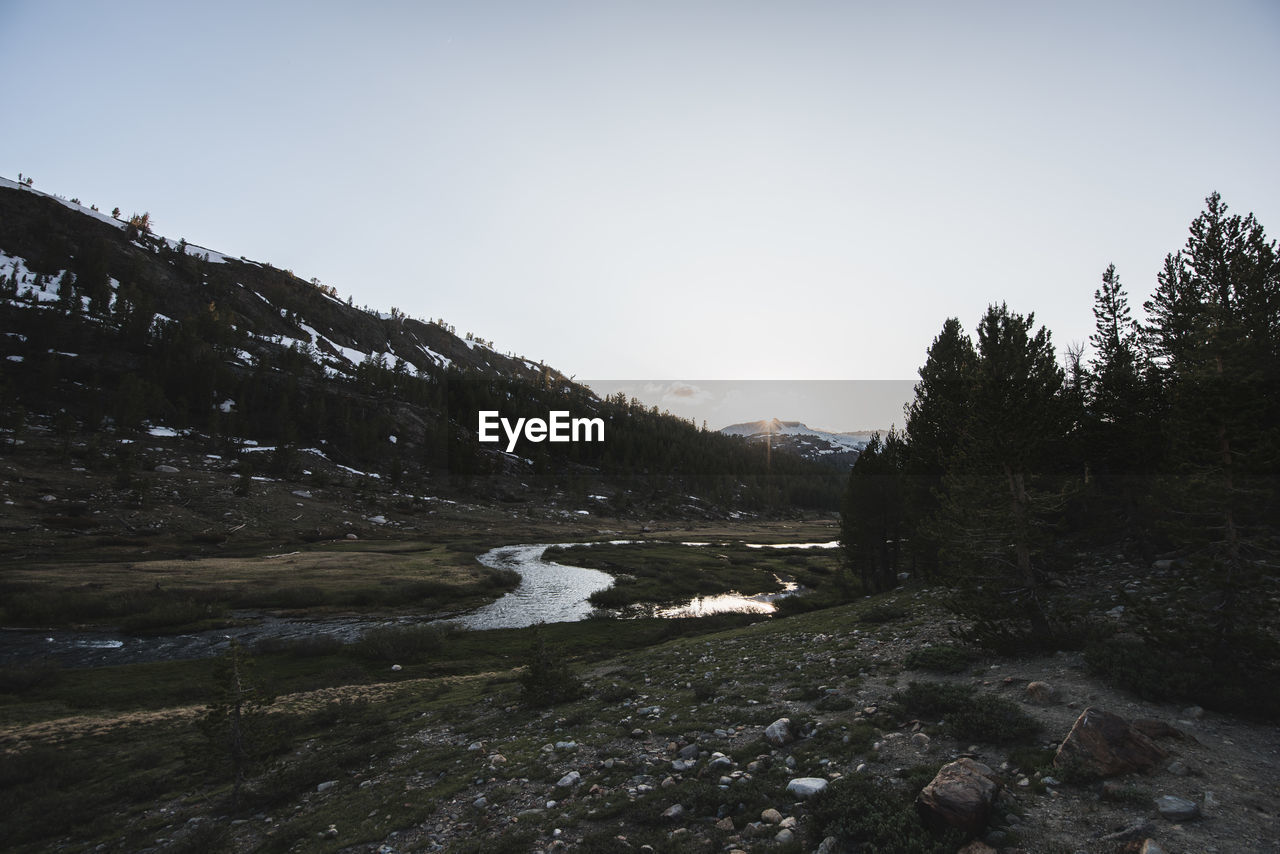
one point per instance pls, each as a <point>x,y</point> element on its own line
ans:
<point>548,592</point>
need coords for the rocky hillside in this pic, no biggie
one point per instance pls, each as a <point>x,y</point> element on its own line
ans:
<point>109,332</point>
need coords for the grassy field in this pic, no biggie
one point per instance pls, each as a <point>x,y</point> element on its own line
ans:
<point>664,572</point>
<point>167,594</point>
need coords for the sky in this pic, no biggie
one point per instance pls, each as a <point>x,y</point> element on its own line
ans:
<point>665,190</point>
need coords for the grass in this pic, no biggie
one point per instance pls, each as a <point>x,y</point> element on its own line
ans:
<point>662,573</point>
<point>168,595</point>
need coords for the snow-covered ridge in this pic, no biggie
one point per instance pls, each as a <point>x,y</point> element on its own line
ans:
<point>852,441</point>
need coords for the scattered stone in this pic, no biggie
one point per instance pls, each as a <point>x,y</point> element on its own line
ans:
<point>352,537</point>
<point>480,802</point>
<point>566,745</point>
<point>681,765</point>
<point>785,836</point>
<point>569,780</point>
<point>1177,809</point>
<point>778,733</point>
<point>163,469</point>
<point>395,668</point>
<point>960,795</point>
<point>689,751</point>
<point>674,813</point>
<point>719,762</point>
<point>771,816</point>
<point>806,787</point>
<point>1102,744</point>
<point>725,825</point>
<point>326,785</point>
<point>1042,693</point>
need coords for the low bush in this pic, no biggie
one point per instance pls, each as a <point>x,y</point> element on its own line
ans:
<point>944,658</point>
<point>872,818</point>
<point>968,715</point>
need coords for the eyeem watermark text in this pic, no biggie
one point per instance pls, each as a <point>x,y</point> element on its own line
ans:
<point>558,427</point>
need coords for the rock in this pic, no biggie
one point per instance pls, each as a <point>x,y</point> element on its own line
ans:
<point>830,845</point>
<point>681,765</point>
<point>1210,803</point>
<point>302,493</point>
<point>480,802</point>
<point>566,745</point>
<point>719,762</point>
<point>1177,809</point>
<point>806,787</point>
<point>920,740</point>
<point>960,795</point>
<point>778,733</point>
<point>725,825</point>
<point>569,780</point>
<point>352,537</point>
<point>326,785</point>
<point>163,469</point>
<point>1101,744</point>
<point>1042,693</point>
<point>771,816</point>
<point>689,751</point>
<point>674,813</point>
<point>977,846</point>
<point>395,668</point>
<point>785,836</point>
<point>1179,768</point>
<point>1150,846</point>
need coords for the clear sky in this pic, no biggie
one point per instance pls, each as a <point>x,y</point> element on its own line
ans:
<point>633,190</point>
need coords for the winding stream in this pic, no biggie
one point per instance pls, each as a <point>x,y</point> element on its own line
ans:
<point>548,592</point>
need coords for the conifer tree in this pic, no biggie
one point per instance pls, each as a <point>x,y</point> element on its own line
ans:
<point>1003,486</point>
<point>935,418</point>
<point>873,521</point>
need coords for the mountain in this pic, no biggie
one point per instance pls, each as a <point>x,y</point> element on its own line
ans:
<point>836,449</point>
<point>122,350</point>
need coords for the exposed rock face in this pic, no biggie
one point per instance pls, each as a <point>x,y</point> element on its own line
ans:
<point>961,795</point>
<point>1101,744</point>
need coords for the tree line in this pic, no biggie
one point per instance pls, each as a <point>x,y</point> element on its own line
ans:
<point>1162,444</point>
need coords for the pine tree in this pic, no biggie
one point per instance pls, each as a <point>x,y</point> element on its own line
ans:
<point>1120,435</point>
<point>1003,486</point>
<point>935,418</point>
<point>1214,321</point>
<point>235,721</point>
<point>873,522</point>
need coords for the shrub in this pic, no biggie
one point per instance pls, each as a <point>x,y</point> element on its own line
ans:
<point>968,715</point>
<point>404,643</point>
<point>883,612</point>
<point>875,818</point>
<point>547,679</point>
<point>940,659</point>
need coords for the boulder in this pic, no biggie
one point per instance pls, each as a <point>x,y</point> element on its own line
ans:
<point>674,813</point>
<point>778,733</point>
<point>569,780</point>
<point>1102,744</point>
<point>961,795</point>
<point>1177,809</point>
<point>806,787</point>
<point>771,816</point>
<point>1042,693</point>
